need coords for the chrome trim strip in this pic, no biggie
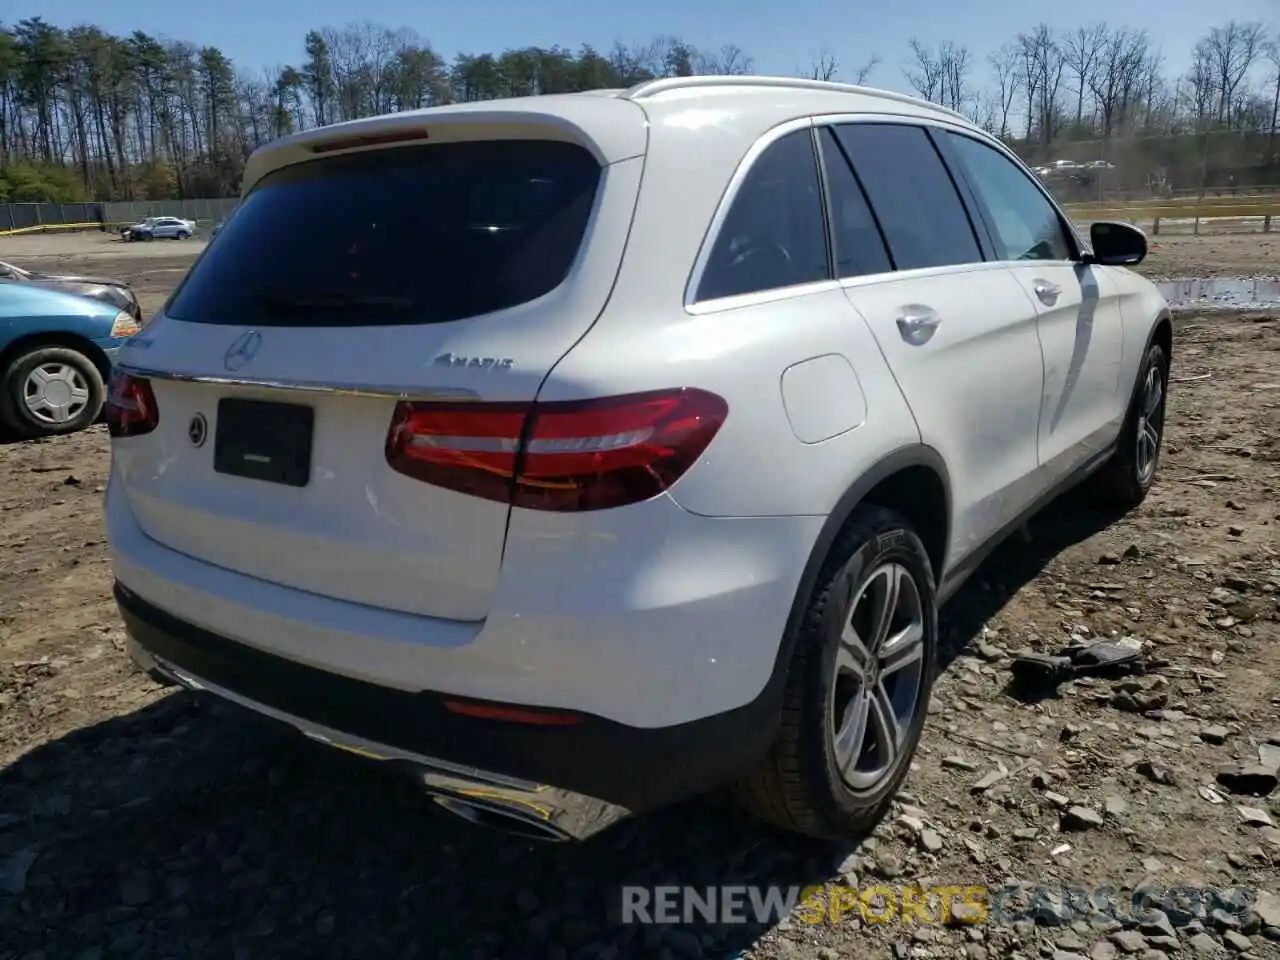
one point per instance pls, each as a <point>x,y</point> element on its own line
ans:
<point>559,814</point>
<point>306,386</point>
<point>974,133</point>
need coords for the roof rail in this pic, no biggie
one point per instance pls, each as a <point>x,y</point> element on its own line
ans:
<point>651,88</point>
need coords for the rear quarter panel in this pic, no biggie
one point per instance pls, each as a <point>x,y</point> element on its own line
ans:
<point>759,464</point>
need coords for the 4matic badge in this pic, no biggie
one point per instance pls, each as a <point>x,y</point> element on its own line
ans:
<point>484,363</point>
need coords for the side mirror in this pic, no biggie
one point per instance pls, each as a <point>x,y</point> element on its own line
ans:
<point>1116,244</point>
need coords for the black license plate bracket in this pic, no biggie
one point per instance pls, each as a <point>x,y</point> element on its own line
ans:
<point>264,440</point>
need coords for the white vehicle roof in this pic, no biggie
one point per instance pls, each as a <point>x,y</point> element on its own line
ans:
<point>616,124</point>
<point>693,132</point>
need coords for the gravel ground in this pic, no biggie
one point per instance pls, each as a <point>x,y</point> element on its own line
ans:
<point>139,822</point>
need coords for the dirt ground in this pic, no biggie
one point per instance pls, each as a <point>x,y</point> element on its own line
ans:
<point>140,822</point>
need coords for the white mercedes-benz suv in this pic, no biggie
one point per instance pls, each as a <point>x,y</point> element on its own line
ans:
<point>582,453</point>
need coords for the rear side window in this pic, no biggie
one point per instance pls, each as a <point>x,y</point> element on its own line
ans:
<point>859,247</point>
<point>774,234</point>
<point>911,192</point>
<point>411,235</point>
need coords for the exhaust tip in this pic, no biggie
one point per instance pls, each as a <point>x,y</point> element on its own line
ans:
<point>508,822</point>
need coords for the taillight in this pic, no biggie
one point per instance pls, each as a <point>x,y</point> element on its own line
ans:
<point>575,455</point>
<point>131,406</point>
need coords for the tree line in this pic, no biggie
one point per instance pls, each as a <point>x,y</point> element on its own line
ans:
<point>88,115</point>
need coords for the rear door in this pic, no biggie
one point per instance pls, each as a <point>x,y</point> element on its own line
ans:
<point>453,272</point>
<point>1078,308</point>
<point>957,331</point>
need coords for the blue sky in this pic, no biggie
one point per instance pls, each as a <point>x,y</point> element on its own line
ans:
<point>782,36</point>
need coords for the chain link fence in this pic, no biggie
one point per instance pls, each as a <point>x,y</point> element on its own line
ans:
<point>116,214</point>
<point>33,216</point>
<point>39,217</point>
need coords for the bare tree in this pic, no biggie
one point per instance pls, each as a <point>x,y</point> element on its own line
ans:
<point>984,111</point>
<point>1232,51</point>
<point>1004,64</point>
<point>1273,56</point>
<point>824,66</point>
<point>942,76</point>
<point>1028,78</point>
<point>1202,84</point>
<point>925,73</point>
<point>729,62</point>
<point>1117,82</point>
<point>863,72</point>
<point>1152,87</point>
<point>1042,65</point>
<point>631,62</point>
<point>1080,50</point>
<point>956,64</point>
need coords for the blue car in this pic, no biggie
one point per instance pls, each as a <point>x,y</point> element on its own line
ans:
<point>56,354</point>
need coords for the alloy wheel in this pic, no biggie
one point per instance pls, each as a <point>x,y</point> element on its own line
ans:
<point>1150,424</point>
<point>878,676</point>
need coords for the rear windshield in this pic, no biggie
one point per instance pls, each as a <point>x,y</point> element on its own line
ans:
<point>422,234</point>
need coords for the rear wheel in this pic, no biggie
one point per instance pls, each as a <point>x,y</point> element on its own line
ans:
<point>50,391</point>
<point>857,688</point>
<point>1127,477</point>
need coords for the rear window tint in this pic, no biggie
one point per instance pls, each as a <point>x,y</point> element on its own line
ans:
<point>411,235</point>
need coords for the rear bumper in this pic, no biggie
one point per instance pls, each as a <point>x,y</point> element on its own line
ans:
<point>571,782</point>
<point>646,616</point>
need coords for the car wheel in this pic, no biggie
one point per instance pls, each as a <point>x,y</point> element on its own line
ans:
<point>858,685</point>
<point>51,391</point>
<point>182,235</point>
<point>1126,478</point>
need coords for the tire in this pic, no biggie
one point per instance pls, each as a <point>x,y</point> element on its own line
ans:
<point>182,235</point>
<point>1124,480</point>
<point>72,374</point>
<point>798,786</point>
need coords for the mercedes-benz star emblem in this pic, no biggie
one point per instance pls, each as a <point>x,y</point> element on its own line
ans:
<point>198,430</point>
<point>244,349</point>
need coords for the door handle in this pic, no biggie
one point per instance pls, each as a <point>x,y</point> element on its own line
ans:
<point>917,323</point>
<point>1047,292</point>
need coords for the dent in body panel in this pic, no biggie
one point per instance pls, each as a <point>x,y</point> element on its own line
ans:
<point>823,398</point>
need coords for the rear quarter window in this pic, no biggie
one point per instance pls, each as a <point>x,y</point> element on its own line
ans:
<point>408,235</point>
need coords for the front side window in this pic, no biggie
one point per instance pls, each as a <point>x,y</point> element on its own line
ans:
<point>1027,225</point>
<point>774,235</point>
